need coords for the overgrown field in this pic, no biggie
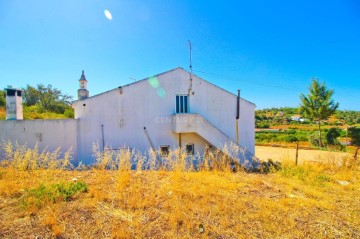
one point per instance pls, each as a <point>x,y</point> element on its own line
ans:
<point>304,155</point>
<point>307,201</point>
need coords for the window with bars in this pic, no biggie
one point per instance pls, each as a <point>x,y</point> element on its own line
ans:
<point>182,104</point>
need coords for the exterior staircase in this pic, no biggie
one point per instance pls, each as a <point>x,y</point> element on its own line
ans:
<point>196,123</point>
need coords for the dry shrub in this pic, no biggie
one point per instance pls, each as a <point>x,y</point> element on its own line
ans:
<point>225,159</point>
<point>23,157</point>
<point>135,195</point>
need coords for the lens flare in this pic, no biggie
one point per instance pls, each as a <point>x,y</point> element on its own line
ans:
<point>108,14</point>
<point>161,92</point>
<point>153,81</point>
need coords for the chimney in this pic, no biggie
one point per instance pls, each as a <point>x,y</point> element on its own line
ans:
<point>14,108</point>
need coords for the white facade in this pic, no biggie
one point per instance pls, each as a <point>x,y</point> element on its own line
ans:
<point>118,117</point>
<point>168,109</point>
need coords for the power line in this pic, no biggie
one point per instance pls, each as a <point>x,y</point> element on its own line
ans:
<point>227,78</point>
<point>250,82</point>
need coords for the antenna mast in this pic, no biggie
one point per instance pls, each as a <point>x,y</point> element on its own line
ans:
<point>190,48</point>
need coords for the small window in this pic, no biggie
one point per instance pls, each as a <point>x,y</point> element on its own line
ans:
<point>19,93</point>
<point>182,104</point>
<point>164,150</point>
<point>190,149</point>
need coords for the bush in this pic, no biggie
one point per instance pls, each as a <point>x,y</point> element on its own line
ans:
<point>262,125</point>
<point>269,166</point>
<point>354,134</point>
<point>2,98</point>
<point>69,113</point>
<point>331,136</point>
<point>291,138</point>
<point>42,195</point>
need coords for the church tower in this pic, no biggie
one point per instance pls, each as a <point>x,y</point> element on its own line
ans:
<point>83,93</point>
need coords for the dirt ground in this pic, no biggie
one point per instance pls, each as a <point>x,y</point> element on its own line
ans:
<point>289,154</point>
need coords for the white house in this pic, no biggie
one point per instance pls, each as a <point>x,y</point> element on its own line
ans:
<point>297,118</point>
<point>169,110</point>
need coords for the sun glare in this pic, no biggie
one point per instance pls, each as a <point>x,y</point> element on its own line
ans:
<point>108,14</point>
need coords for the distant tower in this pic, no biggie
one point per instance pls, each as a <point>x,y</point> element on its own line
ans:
<point>83,93</point>
<point>14,108</point>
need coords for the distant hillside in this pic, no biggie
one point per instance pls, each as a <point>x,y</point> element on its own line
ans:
<point>266,118</point>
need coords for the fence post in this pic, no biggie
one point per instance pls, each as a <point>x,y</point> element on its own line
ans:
<point>297,153</point>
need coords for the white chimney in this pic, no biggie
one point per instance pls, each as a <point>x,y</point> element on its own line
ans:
<point>14,108</point>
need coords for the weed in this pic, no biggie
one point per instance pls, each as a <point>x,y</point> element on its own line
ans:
<point>300,172</point>
<point>23,157</point>
<point>175,197</point>
<point>43,194</point>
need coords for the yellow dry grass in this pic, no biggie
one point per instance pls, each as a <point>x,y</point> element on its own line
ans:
<point>2,113</point>
<point>289,154</point>
<point>296,202</point>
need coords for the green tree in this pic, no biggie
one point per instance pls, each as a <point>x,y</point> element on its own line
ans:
<point>354,134</point>
<point>2,98</point>
<point>331,136</point>
<point>318,105</point>
<point>30,96</point>
<point>47,98</point>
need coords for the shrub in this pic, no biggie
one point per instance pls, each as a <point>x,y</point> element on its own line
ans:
<point>2,98</point>
<point>262,125</point>
<point>331,136</point>
<point>38,197</point>
<point>269,166</point>
<point>291,138</point>
<point>69,113</point>
<point>25,158</point>
<point>354,134</point>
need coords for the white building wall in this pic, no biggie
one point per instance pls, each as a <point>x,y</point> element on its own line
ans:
<point>118,118</point>
<point>124,113</point>
<point>218,106</point>
<point>49,134</point>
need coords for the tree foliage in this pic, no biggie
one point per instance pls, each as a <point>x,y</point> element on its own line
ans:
<point>354,134</point>
<point>318,104</point>
<point>47,98</point>
<point>2,98</point>
<point>332,135</point>
<point>349,116</point>
<point>264,118</point>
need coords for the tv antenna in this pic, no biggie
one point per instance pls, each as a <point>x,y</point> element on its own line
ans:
<point>190,49</point>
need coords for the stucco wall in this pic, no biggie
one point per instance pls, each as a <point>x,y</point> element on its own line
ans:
<point>48,134</point>
<point>117,118</point>
<point>124,112</point>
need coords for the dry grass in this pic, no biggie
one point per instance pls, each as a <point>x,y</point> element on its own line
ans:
<point>2,113</point>
<point>296,202</point>
<point>288,154</point>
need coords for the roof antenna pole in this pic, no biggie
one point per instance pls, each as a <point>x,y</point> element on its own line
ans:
<point>190,48</point>
<point>237,117</point>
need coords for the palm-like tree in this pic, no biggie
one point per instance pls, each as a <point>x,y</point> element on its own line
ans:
<point>318,105</point>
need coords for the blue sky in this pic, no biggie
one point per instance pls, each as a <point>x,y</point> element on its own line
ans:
<point>269,49</point>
